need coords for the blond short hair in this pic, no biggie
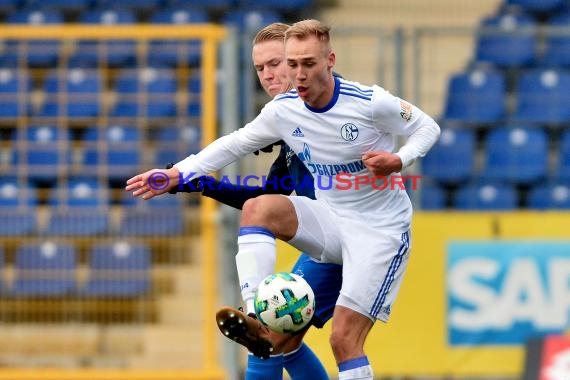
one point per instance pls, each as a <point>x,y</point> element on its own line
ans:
<point>303,29</point>
<point>271,32</point>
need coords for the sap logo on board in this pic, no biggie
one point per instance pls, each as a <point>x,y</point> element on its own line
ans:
<point>502,293</point>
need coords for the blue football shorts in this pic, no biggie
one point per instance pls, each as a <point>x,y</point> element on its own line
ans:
<point>326,280</point>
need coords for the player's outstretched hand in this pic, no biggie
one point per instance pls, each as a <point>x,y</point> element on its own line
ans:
<point>382,163</point>
<point>153,182</point>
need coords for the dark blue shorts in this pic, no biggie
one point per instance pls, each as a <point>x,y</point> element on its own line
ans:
<point>326,280</point>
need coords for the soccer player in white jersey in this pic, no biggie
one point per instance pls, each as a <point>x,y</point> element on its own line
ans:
<point>288,350</point>
<point>345,133</point>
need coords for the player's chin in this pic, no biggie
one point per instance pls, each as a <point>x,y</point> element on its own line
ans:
<point>276,89</point>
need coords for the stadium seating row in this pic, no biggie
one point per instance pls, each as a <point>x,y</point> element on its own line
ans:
<point>45,153</point>
<point>83,208</point>
<point>476,196</point>
<point>77,193</point>
<point>515,171</point>
<point>93,222</point>
<point>505,142</point>
<point>123,53</point>
<point>516,155</point>
<point>512,38</point>
<point>81,93</point>
<point>547,7</point>
<point>480,96</point>
<point>153,5</point>
<point>49,270</point>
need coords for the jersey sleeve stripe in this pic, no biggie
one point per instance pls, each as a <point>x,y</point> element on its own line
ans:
<point>361,96</point>
<point>286,96</point>
<point>363,90</point>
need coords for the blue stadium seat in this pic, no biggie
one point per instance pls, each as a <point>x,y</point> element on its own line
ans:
<point>108,16</point>
<point>516,155</point>
<point>250,20</point>
<point>146,92</point>
<point>171,53</point>
<point>120,269</point>
<point>209,5</point>
<point>39,53</point>
<point>7,6</point>
<point>60,5</point>
<point>134,5</point>
<point>120,157</point>
<point>549,196</point>
<point>278,5</point>
<point>45,150</point>
<point>538,6</point>
<point>486,196</point>
<point>166,202</point>
<point>81,193</point>
<point>116,53</point>
<point>15,88</point>
<point>160,216</point>
<point>194,109</point>
<point>147,222</point>
<point>174,143</point>
<point>476,96</point>
<point>20,222</point>
<point>15,194</point>
<point>17,208</point>
<point>507,40</point>
<point>79,208</point>
<point>44,270</point>
<point>195,83</point>
<point>563,157</point>
<point>542,97</point>
<point>432,197</point>
<point>452,159</point>
<point>557,46</point>
<point>190,135</point>
<point>78,91</point>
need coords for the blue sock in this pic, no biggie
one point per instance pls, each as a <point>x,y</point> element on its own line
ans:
<point>264,369</point>
<point>303,363</point>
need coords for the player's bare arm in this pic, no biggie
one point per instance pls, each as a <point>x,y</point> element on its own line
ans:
<point>153,182</point>
<point>382,163</point>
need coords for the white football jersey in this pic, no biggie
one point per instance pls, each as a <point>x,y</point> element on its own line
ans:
<point>330,141</point>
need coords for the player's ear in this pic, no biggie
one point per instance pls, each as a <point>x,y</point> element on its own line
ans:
<point>331,59</point>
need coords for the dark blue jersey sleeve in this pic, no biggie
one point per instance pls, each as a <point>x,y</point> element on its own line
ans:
<point>277,181</point>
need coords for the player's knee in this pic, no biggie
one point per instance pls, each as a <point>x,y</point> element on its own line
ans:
<point>273,212</point>
<point>253,212</point>
<point>263,209</point>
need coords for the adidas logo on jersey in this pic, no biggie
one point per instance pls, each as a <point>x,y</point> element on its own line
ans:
<point>297,133</point>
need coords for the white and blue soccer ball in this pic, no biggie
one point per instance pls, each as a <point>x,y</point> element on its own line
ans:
<point>284,302</point>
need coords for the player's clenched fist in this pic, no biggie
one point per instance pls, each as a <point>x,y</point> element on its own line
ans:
<point>153,182</point>
<point>382,163</point>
